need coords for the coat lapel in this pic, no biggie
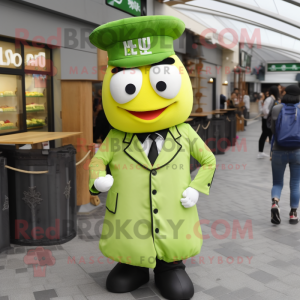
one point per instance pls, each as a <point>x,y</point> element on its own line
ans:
<point>170,149</point>
<point>135,151</point>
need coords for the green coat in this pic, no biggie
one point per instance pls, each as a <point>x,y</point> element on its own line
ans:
<point>145,218</point>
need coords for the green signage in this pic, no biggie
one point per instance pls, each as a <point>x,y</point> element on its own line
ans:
<point>132,7</point>
<point>283,67</point>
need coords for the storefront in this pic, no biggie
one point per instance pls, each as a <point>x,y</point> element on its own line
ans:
<point>26,101</point>
<point>269,67</point>
<point>50,88</point>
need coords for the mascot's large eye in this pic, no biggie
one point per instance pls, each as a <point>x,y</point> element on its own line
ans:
<point>125,85</point>
<point>165,80</point>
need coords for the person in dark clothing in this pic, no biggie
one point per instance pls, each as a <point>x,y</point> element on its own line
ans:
<point>280,158</point>
<point>222,101</point>
<point>97,107</point>
<point>102,126</point>
<point>260,108</point>
<point>266,131</point>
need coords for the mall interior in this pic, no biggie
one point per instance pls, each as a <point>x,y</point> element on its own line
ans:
<point>236,53</point>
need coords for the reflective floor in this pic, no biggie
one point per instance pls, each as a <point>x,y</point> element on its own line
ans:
<point>243,256</point>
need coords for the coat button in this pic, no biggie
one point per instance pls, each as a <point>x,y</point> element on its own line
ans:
<point>154,192</point>
<point>208,184</point>
<point>155,211</point>
<point>157,230</point>
<point>154,172</point>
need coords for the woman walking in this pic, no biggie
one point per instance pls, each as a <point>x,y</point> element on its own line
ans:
<point>266,132</point>
<point>260,109</point>
<point>286,132</point>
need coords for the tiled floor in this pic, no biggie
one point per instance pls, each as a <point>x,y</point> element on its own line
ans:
<point>261,263</point>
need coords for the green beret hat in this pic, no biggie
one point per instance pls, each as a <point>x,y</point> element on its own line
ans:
<point>138,41</point>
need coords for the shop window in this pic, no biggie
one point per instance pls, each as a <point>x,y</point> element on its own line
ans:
<point>11,109</point>
<point>26,101</point>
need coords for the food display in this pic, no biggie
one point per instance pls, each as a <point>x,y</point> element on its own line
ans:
<point>4,125</point>
<point>10,103</point>
<point>36,111</point>
<point>7,108</point>
<point>24,98</point>
<point>7,93</point>
<point>35,123</point>
<point>34,94</point>
<point>35,107</point>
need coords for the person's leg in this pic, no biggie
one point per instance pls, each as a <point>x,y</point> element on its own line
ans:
<point>263,136</point>
<point>279,161</point>
<point>262,140</point>
<point>172,280</point>
<point>294,161</point>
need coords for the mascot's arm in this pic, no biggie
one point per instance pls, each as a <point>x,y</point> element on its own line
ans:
<point>205,157</point>
<point>102,158</point>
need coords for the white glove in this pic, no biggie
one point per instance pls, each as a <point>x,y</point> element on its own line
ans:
<point>103,184</point>
<point>190,197</point>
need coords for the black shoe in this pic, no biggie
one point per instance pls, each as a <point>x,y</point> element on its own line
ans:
<point>275,213</point>
<point>126,278</point>
<point>175,285</point>
<point>293,216</point>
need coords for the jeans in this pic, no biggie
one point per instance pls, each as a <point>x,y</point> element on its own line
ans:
<point>279,161</point>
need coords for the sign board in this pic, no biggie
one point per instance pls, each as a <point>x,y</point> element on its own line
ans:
<point>245,59</point>
<point>293,67</point>
<point>8,57</point>
<point>132,7</point>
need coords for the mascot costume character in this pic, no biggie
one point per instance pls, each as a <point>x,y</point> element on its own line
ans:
<point>151,218</point>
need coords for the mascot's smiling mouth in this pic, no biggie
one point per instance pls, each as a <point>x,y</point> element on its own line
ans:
<point>148,115</point>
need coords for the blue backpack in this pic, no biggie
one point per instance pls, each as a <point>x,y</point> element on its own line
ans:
<point>287,128</point>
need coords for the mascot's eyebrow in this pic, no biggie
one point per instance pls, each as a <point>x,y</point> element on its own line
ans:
<point>167,61</point>
<point>118,69</point>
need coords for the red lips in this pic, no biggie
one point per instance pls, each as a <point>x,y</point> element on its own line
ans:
<point>147,115</point>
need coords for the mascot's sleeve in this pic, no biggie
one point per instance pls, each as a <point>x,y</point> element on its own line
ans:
<point>207,160</point>
<point>102,158</point>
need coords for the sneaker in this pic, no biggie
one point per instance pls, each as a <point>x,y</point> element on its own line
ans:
<point>293,216</point>
<point>262,155</point>
<point>275,213</point>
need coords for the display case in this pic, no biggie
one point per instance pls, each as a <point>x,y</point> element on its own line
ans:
<point>37,100</point>
<point>11,103</point>
<point>26,73</point>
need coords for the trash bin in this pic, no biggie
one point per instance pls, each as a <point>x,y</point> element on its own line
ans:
<point>200,125</point>
<point>203,124</point>
<point>42,206</point>
<point>216,136</point>
<point>4,207</point>
<point>203,131</point>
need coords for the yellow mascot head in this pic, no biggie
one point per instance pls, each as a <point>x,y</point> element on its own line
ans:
<point>146,88</point>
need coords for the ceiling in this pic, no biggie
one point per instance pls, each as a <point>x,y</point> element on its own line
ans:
<point>276,23</point>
